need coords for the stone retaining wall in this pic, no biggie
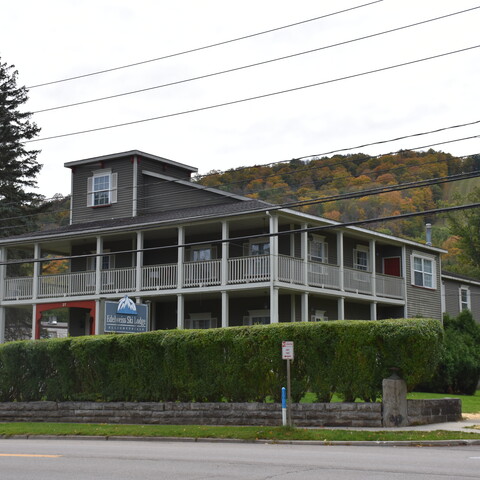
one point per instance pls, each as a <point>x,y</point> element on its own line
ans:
<point>423,412</point>
<point>261,414</point>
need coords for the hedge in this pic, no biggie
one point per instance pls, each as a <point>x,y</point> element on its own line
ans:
<point>235,364</point>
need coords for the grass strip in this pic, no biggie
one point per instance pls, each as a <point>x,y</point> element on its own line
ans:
<point>242,433</point>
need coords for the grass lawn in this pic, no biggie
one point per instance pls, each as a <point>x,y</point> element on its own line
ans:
<point>242,433</point>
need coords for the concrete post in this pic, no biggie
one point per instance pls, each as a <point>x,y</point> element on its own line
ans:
<point>394,402</point>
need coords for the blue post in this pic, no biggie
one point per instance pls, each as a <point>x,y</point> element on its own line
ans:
<point>284,406</point>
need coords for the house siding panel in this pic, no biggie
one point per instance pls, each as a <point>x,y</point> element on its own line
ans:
<point>423,302</point>
<point>122,208</point>
<point>452,297</point>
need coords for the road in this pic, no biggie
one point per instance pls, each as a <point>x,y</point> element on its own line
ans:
<point>120,460</point>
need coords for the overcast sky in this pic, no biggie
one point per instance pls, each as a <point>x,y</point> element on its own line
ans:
<point>53,39</point>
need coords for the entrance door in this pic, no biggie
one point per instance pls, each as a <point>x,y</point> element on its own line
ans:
<point>391,266</point>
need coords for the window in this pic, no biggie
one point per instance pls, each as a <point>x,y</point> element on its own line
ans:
<point>200,321</point>
<point>423,271</point>
<point>319,316</point>
<point>464,298</point>
<point>102,188</point>
<point>318,249</point>
<point>201,253</point>
<point>360,258</point>
<point>257,317</point>
<point>107,262</point>
<point>259,248</point>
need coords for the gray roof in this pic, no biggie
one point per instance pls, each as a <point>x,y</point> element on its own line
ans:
<point>129,153</point>
<point>146,221</point>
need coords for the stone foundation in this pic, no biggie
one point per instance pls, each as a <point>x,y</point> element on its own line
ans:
<point>258,414</point>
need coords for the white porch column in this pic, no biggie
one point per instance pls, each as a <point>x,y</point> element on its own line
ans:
<point>180,311</point>
<point>36,270</point>
<point>181,257</point>
<point>340,261</point>
<point>3,271</point>
<point>273,247</point>
<point>225,245</point>
<point>2,324</point>
<point>372,261</point>
<point>305,307</point>
<point>98,266</point>
<point>341,308</point>
<point>404,273</point>
<point>304,252</point>
<point>274,305</point>
<point>34,320</point>
<point>225,316</point>
<point>293,308</point>
<point>373,311</point>
<point>135,186</point>
<point>138,273</point>
<point>292,241</point>
<point>99,308</point>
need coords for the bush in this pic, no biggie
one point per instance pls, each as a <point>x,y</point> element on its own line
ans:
<point>235,364</point>
<point>459,368</point>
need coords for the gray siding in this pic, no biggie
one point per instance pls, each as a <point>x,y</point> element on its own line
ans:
<point>452,297</point>
<point>123,208</point>
<point>423,302</point>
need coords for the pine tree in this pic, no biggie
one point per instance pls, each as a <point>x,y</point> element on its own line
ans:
<point>18,166</point>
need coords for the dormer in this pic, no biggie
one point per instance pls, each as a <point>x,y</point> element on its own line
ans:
<point>113,186</point>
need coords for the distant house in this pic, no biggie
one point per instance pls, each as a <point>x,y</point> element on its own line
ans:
<point>460,293</point>
<point>199,257</point>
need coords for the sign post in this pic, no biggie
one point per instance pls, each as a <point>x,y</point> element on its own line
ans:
<point>287,354</point>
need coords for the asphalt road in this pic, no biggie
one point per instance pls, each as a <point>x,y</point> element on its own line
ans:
<point>145,460</point>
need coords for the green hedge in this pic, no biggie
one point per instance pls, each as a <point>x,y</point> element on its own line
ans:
<point>236,364</point>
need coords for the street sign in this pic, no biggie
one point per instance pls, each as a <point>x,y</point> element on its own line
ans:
<point>287,350</point>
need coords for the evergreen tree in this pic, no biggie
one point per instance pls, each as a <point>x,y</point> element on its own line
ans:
<point>18,166</point>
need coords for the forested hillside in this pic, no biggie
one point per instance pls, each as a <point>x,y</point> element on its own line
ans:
<point>324,178</point>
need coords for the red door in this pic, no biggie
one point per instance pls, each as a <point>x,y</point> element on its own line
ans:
<point>391,266</point>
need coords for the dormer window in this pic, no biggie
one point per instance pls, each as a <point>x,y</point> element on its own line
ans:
<point>102,188</point>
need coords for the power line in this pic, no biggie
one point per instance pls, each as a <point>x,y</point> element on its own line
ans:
<point>234,240</point>
<point>222,72</point>
<point>206,187</point>
<point>205,47</point>
<point>257,97</point>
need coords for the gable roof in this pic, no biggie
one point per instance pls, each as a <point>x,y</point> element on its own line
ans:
<point>130,153</point>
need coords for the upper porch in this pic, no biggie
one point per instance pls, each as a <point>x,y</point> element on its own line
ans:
<point>226,254</point>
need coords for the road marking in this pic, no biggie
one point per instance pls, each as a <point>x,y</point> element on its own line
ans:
<point>27,455</point>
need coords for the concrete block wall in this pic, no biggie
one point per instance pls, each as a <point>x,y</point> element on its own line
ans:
<point>423,412</point>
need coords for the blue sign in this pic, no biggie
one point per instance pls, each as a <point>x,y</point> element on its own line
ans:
<point>126,317</point>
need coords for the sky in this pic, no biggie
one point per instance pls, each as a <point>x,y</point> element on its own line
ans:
<point>57,39</point>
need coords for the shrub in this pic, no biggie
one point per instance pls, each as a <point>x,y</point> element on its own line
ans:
<point>459,367</point>
<point>234,364</point>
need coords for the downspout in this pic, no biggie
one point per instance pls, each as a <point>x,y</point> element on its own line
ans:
<point>135,186</point>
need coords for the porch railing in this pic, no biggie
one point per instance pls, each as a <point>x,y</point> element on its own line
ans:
<point>357,281</point>
<point>389,286</point>
<point>159,277</point>
<point>249,269</point>
<point>241,270</point>
<point>199,274</point>
<point>17,288</point>
<point>66,284</point>
<point>118,280</point>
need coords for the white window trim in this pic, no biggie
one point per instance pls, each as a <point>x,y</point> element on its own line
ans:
<point>113,187</point>
<point>256,241</point>
<point>319,316</point>
<point>192,322</point>
<point>423,256</point>
<point>366,250</point>
<point>468,304</point>
<point>190,254</point>
<point>252,314</point>
<point>320,239</point>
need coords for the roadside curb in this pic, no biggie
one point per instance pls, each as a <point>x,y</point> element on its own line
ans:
<point>363,443</point>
